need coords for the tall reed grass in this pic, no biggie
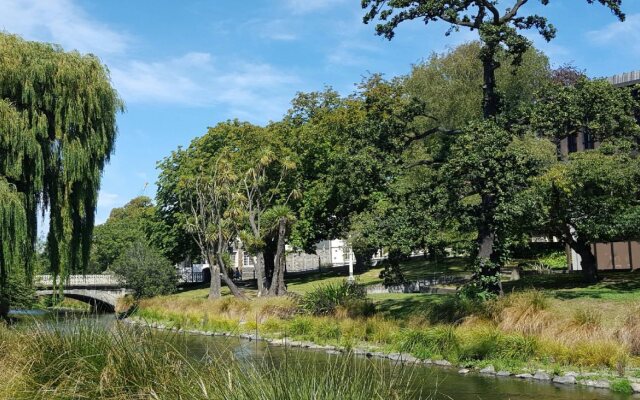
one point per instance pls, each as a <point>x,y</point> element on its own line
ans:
<point>89,362</point>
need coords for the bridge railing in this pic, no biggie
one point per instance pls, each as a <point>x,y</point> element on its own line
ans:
<point>79,280</point>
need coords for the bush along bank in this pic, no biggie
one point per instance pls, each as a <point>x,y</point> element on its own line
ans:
<point>519,335</point>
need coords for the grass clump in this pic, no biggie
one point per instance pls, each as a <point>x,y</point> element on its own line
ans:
<point>587,318</point>
<point>621,386</point>
<point>440,341</point>
<point>90,362</point>
<point>325,300</point>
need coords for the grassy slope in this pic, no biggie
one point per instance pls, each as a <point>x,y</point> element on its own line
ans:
<point>568,292</point>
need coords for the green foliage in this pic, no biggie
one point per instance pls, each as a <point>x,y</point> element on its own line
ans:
<point>18,290</point>
<point>146,271</point>
<point>595,107</point>
<point>324,300</point>
<point>451,84</point>
<point>486,344</point>
<point>595,192</point>
<point>440,341</point>
<point>58,123</point>
<point>391,273</point>
<point>553,260</point>
<point>125,226</point>
<point>496,27</point>
<point>622,386</point>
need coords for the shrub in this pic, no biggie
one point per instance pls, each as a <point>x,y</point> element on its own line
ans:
<point>489,343</point>
<point>554,260</point>
<point>327,330</point>
<point>621,386</point>
<point>146,271</point>
<point>324,300</point>
<point>524,312</point>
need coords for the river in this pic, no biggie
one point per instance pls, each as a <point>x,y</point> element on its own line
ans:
<point>449,384</point>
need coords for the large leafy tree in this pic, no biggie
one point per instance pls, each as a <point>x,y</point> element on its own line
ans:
<point>501,26</point>
<point>195,189</point>
<point>57,131</point>
<point>126,225</point>
<point>234,182</point>
<point>349,152</point>
<point>590,198</point>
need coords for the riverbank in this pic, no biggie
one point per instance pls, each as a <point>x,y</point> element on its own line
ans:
<point>529,334</point>
<point>88,361</point>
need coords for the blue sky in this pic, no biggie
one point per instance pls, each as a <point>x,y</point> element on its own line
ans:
<point>182,66</point>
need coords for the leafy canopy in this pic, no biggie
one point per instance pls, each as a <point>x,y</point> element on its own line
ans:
<point>57,131</point>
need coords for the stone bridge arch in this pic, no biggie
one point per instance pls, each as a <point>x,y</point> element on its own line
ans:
<point>102,292</point>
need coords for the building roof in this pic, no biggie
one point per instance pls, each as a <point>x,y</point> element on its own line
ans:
<point>625,79</point>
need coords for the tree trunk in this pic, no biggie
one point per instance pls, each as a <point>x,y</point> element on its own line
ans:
<point>277,281</point>
<point>259,266</point>
<point>214,286</point>
<point>4,308</point>
<point>490,97</point>
<point>487,256</point>
<point>363,259</point>
<point>228,281</point>
<point>270,260</point>
<point>588,263</point>
<point>260,274</point>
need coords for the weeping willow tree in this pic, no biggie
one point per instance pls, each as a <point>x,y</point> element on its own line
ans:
<point>57,131</point>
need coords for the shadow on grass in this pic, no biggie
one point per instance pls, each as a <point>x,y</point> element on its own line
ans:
<point>404,306</point>
<point>573,286</point>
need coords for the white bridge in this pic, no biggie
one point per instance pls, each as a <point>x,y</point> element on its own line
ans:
<point>101,291</point>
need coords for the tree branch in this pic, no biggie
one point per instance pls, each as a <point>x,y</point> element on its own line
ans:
<point>433,131</point>
<point>513,11</point>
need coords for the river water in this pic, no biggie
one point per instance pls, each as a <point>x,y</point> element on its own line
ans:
<point>446,383</point>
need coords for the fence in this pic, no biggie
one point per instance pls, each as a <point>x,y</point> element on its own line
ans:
<point>78,280</point>
<point>419,286</point>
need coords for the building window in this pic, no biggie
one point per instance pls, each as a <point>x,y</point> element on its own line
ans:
<point>346,250</point>
<point>247,261</point>
<point>589,143</point>
<point>572,142</point>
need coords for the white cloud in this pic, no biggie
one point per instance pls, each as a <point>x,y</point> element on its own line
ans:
<point>107,200</point>
<point>61,22</point>
<point>353,53</point>
<point>277,29</point>
<point>619,34</point>
<point>309,6</point>
<point>197,79</point>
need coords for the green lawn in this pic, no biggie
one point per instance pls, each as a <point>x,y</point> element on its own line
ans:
<point>405,305</point>
<point>414,269</point>
<point>614,286</point>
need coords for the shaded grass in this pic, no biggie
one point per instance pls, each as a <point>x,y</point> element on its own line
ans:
<point>615,286</point>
